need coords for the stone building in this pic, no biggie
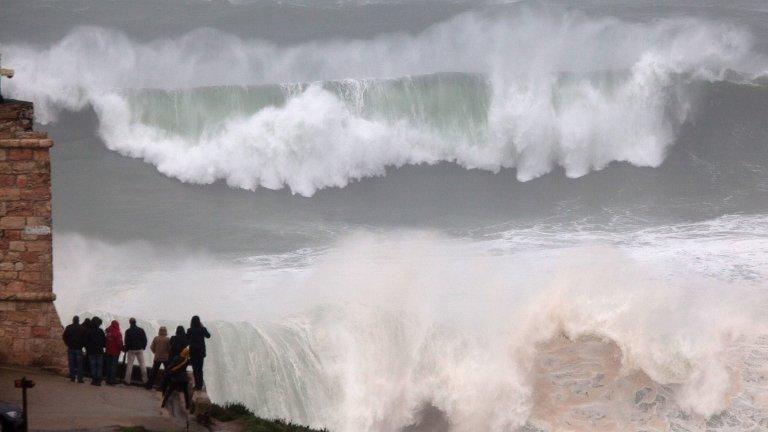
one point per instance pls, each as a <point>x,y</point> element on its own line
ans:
<point>30,329</point>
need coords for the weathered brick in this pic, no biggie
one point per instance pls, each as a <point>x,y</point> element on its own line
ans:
<point>7,180</point>
<point>16,154</point>
<point>36,180</point>
<point>7,266</point>
<point>21,208</point>
<point>9,194</point>
<point>40,332</point>
<point>3,154</point>
<point>36,194</point>
<point>41,155</point>
<point>12,222</point>
<point>8,275</point>
<point>29,276</point>
<point>38,221</point>
<point>39,246</point>
<point>42,208</point>
<point>10,234</point>
<point>18,246</point>
<point>15,286</point>
<point>30,257</point>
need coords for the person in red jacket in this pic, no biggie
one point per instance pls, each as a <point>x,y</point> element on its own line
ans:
<point>114,348</point>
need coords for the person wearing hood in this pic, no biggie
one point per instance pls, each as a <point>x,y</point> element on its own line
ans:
<point>178,380</point>
<point>160,347</point>
<point>94,347</point>
<point>197,334</point>
<point>74,339</point>
<point>114,348</point>
<point>135,344</point>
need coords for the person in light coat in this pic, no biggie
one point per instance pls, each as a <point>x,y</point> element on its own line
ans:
<point>160,347</point>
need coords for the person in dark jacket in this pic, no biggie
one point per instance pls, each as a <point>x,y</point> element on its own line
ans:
<point>74,340</point>
<point>94,347</point>
<point>178,380</point>
<point>197,334</point>
<point>135,344</point>
<point>178,342</point>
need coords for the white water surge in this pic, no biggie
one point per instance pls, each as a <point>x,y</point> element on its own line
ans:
<point>439,298</point>
<point>555,89</point>
<point>366,333</point>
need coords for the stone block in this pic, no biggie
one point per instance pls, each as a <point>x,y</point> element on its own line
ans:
<point>29,276</point>
<point>36,194</point>
<point>41,155</point>
<point>20,208</point>
<point>31,257</point>
<point>12,222</point>
<point>9,276</point>
<point>17,154</point>
<point>9,194</point>
<point>7,180</point>
<point>36,180</point>
<point>18,246</point>
<point>40,332</point>
<point>38,246</point>
<point>38,221</point>
<point>42,208</point>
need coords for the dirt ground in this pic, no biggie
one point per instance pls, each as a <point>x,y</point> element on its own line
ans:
<point>56,403</point>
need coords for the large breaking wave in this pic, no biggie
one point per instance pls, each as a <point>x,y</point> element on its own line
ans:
<point>531,91</point>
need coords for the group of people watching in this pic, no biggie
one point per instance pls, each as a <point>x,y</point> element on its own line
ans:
<point>102,349</point>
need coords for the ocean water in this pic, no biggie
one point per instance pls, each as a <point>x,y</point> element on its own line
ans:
<point>421,215</point>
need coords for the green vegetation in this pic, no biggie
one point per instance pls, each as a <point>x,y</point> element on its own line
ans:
<point>251,423</point>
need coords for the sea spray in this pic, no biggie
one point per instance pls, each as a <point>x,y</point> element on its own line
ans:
<point>382,324</point>
<point>361,116</point>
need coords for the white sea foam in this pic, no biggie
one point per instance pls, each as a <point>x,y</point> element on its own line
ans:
<point>536,119</point>
<point>376,326</point>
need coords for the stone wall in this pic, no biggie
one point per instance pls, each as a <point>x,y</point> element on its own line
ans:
<point>30,329</point>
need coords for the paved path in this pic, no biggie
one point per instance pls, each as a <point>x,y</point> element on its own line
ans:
<point>58,404</point>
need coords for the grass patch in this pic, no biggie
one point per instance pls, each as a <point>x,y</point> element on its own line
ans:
<point>251,423</point>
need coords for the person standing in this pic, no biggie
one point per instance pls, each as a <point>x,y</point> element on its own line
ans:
<point>178,342</point>
<point>196,335</point>
<point>114,348</point>
<point>160,347</point>
<point>94,347</point>
<point>74,339</point>
<point>135,344</point>
<point>177,378</point>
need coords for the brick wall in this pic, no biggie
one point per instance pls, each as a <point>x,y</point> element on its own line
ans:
<point>30,329</point>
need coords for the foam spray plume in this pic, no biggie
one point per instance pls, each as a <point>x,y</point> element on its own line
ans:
<point>382,334</point>
<point>552,89</point>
